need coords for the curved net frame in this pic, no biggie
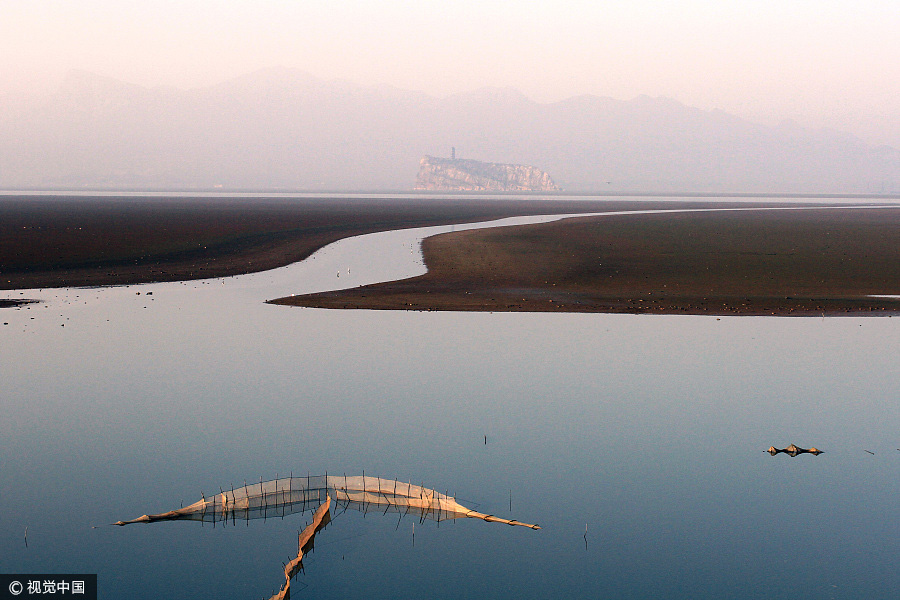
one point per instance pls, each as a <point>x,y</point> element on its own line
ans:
<point>290,495</point>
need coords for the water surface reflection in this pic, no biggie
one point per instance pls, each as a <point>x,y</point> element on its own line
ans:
<point>646,428</point>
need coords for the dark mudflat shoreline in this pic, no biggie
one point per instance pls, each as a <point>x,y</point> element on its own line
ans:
<point>60,241</point>
<point>797,262</point>
<point>13,303</point>
<point>805,262</point>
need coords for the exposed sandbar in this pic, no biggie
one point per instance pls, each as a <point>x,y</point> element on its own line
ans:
<point>786,262</point>
<point>13,303</point>
<point>91,241</point>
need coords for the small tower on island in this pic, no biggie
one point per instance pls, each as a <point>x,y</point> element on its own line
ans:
<point>452,152</point>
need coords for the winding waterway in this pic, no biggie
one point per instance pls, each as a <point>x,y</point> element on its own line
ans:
<point>636,442</point>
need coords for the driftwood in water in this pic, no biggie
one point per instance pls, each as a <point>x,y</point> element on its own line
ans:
<point>793,450</point>
<point>304,545</point>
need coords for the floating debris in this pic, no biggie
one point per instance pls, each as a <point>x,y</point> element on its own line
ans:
<point>870,452</point>
<point>290,495</point>
<point>305,543</point>
<point>793,450</point>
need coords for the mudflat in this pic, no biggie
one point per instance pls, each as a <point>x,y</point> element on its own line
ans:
<point>14,303</point>
<point>58,241</point>
<point>749,262</point>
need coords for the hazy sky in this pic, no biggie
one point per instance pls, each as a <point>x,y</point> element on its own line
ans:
<point>820,62</point>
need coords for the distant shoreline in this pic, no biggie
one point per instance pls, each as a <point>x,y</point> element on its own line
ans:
<point>405,193</point>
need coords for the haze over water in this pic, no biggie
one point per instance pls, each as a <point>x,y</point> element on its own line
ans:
<point>648,431</point>
<point>636,442</point>
<point>768,96</point>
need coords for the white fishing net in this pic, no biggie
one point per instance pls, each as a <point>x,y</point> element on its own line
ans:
<point>290,495</point>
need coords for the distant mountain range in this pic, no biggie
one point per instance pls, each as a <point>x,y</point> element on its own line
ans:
<point>284,129</point>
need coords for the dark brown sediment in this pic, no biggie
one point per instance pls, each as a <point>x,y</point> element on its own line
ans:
<point>780,262</point>
<point>92,241</point>
<point>791,262</point>
<point>14,302</point>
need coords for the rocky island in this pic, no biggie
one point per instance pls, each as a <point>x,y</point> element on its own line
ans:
<point>464,175</point>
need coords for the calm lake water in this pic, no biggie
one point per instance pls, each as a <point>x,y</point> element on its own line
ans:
<point>641,434</point>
